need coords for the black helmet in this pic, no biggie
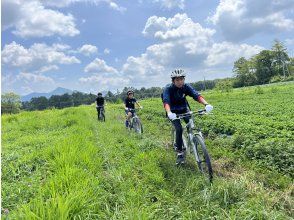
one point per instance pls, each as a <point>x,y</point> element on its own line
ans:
<point>99,93</point>
<point>130,91</point>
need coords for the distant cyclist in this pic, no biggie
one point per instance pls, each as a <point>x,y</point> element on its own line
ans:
<point>174,100</point>
<point>100,101</point>
<point>129,105</point>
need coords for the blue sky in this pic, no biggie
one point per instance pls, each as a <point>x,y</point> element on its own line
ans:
<point>97,45</point>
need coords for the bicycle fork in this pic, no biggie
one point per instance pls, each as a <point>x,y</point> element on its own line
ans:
<point>194,146</point>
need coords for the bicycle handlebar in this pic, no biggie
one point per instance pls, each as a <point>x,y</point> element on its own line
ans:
<point>199,112</point>
<point>133,109</point>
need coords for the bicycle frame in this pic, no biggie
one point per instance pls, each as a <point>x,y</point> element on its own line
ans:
<point>193,142</point>
<point>190,126</point>
<point>133,120</point>
<point>101,112</point>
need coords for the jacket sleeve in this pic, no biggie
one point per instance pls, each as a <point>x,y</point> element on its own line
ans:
<point>166,96</point>
<point>192,92</point>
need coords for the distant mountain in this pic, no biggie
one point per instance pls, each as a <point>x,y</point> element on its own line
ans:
<point>57,91</point>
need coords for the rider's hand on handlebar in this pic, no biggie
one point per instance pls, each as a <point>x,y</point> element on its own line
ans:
<point>171,116</point>
<point>208,108</point>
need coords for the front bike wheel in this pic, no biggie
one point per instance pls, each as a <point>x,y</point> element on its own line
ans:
<point>102,116</point>
<point>202,157</point>
<point>138,127</point>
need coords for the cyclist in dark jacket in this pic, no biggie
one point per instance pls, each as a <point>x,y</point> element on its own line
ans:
<point>99,102</point>
<point>174,100</point>
<point>129,105</point>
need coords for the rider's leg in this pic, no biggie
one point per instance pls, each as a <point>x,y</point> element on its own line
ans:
<point>129,114</point>
<point>98,111</point>
<point>179,142</point>
<point>179,132</point>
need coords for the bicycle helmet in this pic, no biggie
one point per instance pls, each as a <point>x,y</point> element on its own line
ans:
<point>99,93</point>
<point>130,92</point>
<point>177,73</point>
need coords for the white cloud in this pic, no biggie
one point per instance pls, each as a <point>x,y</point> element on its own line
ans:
<point>106,51</point>
<point>100,82</point>
<point>178,27</point>
<point>103,77</point>
<point>88,49</point>
<point>226,53</point>
<point>114,6</point>
<point>66,3</point>
<point>48,68</point>
<point>240,19</point>
<point>182,44</point>
<point>171,4</point>
<point>29,78</point>
<point>99,66</point>
<point>39,57</point>
<point>28,82</point>
<point>31,19</point>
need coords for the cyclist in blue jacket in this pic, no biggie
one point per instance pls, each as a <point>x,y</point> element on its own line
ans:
<point>174,101</point>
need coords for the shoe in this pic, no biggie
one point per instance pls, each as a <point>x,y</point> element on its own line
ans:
<point>180,158</point>
<point>175,147</point>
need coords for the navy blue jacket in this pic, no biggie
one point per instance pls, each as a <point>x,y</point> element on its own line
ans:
<point>176,97</point>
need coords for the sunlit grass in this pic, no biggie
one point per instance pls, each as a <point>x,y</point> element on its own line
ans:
<point>64,164</point>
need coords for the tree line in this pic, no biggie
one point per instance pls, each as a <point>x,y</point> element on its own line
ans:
<point>265,67</point>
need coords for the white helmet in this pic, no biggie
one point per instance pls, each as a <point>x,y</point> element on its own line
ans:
<point>177,73</point>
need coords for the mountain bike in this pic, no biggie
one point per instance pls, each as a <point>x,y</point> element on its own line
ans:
<point>194,144</point>
<point>135,122</point>
<point>101,113</point>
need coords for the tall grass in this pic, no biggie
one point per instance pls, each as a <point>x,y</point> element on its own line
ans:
<point>64,164</point>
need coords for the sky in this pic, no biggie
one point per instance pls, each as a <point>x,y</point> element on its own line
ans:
<point>101,45</point>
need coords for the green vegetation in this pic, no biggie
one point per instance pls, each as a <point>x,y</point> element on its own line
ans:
<point>10,103</point>
<point>267,66</point>
<point>59,101</point>
<point>64,164</point>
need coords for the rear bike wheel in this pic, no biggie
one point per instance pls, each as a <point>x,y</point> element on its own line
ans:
<point>202,157</point>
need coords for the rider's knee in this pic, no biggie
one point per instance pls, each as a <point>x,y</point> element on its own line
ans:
<point>179,129</point>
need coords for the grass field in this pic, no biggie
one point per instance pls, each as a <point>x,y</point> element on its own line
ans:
<point>64,164</point>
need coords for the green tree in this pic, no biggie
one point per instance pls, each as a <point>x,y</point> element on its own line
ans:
<point>280,57</point>
<point>263,66</point>
<point>66,100</point>
<point>224,85</point>
<point>10,103</point>
<point>244,73</point>
<point>39,103</point>
<point>54,101</point>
